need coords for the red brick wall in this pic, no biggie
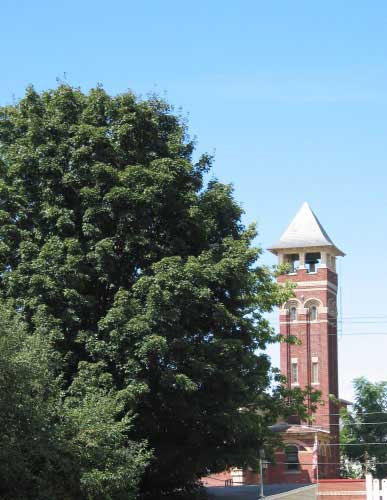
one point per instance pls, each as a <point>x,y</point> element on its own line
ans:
<point>216,479</point>
<point>341,486</point>
<point>318,339</point>
<point>279,474</point>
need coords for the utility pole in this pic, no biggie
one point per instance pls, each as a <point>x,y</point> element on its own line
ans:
<point>261,457</point>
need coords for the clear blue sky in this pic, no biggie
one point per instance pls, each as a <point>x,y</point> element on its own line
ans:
<point>292,95</point>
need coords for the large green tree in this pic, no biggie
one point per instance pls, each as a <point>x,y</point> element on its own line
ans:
<point>139,274</point>
<point>364,425</point>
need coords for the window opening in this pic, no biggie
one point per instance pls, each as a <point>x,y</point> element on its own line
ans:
<point>312,261</point>
<point>293,260</point>
<point>313,313</point>
<point>293,313</point>
<point>294,372</point>
<point>292,461</point>
<point>315,372</point>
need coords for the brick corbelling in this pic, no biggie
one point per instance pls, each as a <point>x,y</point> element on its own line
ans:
<point>322,274</point>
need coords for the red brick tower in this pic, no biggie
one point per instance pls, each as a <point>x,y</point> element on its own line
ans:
<point>311,316</point>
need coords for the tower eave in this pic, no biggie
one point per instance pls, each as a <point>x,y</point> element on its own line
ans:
<point>299,246</point>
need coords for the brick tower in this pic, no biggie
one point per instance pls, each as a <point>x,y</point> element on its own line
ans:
<point>311,316</point>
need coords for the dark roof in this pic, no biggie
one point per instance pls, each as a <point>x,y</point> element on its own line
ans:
<point>295,428</point>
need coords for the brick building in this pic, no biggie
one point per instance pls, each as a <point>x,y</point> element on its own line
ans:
<point>311,316</point>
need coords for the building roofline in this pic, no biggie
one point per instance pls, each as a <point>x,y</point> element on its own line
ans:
<point>283,427</point>
<point>305,231</point>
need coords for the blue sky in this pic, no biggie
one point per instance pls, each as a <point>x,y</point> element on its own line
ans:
<point>291,96</point>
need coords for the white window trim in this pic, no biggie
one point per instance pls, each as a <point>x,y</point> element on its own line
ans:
<point>315,361</point>
<point>294,361</point>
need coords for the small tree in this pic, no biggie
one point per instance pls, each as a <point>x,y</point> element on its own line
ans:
<point>365,425</point>
<point>54,450</point>
<point>29,450</point>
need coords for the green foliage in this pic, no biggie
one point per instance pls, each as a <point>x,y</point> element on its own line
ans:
<point>96,430</point>
<point>366,423</point>
<point>30,449</point>
<point>144,283</point>
<point>53,450</point>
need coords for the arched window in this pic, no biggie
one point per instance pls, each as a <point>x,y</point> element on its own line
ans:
<point>312,305</point>
<point>293,313</point>
<point>313,313</point>
<point>291,453</point>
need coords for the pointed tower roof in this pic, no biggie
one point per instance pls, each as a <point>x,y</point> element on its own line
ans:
<point>305,231</point>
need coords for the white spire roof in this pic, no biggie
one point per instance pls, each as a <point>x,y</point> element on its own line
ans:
<point>305,230</point>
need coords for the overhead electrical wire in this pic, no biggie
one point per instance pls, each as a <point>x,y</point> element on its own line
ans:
<point>362,413</point>
<point>340,334</point>
<point>317,426</point>
<point>330,463</point>
<point>377,443</point>
<point>364,316</point>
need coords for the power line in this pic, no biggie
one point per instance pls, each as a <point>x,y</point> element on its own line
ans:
<point>349,323</point>
<point>352,334</point>
<point>340,414</point>
<point>340,315</point>
<point>366,316</point>
<point>362,316</point>
<point>357,444</point>
<point>349,334</point>
<point>348,424</point>
<point>355,333</point>
<point>353,319</point>
<point>362,322</point>
<point>362,423</point>
<point>327,463</point>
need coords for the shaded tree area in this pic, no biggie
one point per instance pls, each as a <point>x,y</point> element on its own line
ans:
<point>55,448</point>
<point>139,285</point>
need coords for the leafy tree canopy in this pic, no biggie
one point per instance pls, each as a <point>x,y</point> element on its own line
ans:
<point>143,281</point>
<point>367,423</point>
